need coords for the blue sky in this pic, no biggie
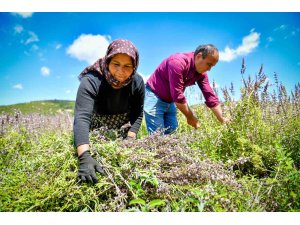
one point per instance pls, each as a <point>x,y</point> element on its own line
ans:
<point>42,54</point>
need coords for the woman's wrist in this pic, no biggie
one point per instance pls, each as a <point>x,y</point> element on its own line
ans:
<point>131,134</point>
<point>82,148</point>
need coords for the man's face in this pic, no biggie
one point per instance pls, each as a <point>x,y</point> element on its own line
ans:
<point>204,65</point>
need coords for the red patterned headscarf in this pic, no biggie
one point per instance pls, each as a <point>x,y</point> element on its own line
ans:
<point>101,65</point>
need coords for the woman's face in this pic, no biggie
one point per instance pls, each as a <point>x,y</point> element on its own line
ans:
<point>121,67</point>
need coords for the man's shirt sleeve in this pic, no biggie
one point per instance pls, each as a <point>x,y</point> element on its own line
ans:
<point>211,99</point>
<point>175,73</point>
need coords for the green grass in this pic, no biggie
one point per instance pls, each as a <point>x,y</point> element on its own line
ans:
<point>249,165</point>
<point>239,167</point>
<point>43,107</point>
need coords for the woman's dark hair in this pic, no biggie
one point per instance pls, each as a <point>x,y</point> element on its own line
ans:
<point>206,50</point>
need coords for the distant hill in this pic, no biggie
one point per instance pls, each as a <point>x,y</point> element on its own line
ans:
<point>43,107</point>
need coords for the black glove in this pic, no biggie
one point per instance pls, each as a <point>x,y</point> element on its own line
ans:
<point>88,167</point>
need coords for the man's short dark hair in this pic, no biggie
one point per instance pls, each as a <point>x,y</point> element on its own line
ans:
<point>206,50</point>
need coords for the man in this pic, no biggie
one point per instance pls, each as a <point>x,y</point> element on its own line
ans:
<point>165,89</point>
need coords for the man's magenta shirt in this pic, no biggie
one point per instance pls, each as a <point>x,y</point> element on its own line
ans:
<point>176,73</point>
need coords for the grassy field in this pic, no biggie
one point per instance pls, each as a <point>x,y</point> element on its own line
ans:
<point>250,165</point>
<point>43,107</point>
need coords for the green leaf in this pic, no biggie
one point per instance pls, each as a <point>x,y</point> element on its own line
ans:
<point>293,194</point>
<point>156,202</point>
<point>137,201</point>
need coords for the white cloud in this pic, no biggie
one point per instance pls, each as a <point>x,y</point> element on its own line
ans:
<point>18,86</point>
<point>249,43</point>
<point>34,48</point>
<point>28,38</point>
<point>58,46</point>
<point>18,29</point>
<point>281,27</point>
<point>45,71</point>
<point>286,31</point>
<point>228,54</point>
<point>68,91</point>
<point>32,38</point>
<point>270,39</point>
<point>23,14</point>
<point>88,47</point>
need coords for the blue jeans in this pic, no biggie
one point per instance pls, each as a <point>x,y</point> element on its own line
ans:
<point>159,114</point>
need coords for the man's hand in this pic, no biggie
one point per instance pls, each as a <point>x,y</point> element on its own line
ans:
<point>219,114</point>
<point>193,121</point>
<point>226,120</point>
<point>88,167</point>
<point>190,118</point>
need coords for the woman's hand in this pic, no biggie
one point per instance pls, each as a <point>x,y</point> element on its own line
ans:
<point>88,167</point>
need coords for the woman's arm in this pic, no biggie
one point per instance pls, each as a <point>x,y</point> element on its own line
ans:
<point>137,107</point>
<point>84,106</point>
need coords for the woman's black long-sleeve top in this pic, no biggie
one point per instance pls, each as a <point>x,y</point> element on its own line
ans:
<point>96,96</point>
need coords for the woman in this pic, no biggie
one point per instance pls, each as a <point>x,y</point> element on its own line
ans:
<point>111,94</point>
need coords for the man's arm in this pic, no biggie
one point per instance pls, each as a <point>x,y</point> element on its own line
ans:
<point>190,117</point>
<point>217,110</point>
